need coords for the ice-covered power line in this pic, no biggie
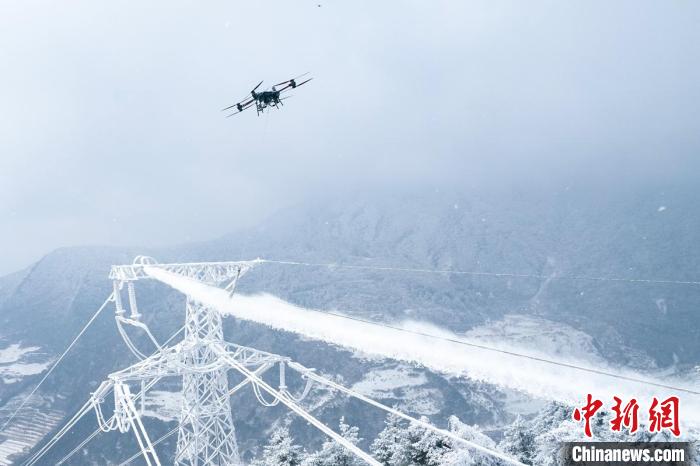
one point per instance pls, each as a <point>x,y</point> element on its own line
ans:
<point>333,265</point>
<point>287,401</point>
<point>213,356</point>
<point>172,432</point>
<point>61,432</point>
<point>440,350</point>
<point>111,419</point>
<point>208,338</point>
<point>202,358</point>
<point>426,425</point>
<point>58,361</point>
<point>509,352</point>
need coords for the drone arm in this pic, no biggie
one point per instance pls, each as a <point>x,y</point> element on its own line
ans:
<point>243,103</point>
<point>293,79</point>
<point>244,106</point>
<point>294,85</point>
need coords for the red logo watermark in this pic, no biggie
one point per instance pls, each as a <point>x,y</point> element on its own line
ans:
<point>663,415</point>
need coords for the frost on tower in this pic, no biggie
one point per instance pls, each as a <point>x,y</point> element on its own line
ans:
<point>206,434</point>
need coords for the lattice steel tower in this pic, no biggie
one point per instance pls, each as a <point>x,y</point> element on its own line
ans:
<point>206,433</point>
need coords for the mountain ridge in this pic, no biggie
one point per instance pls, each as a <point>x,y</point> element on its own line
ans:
<point>565,235</point>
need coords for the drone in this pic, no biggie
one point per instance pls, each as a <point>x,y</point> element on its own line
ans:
<point>267,99</point>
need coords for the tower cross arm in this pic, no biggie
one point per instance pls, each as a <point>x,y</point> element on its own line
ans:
<point>164,363</point>
<point>211,273</point>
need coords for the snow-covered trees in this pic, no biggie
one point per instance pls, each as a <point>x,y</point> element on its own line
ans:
<point>334,454</point>
<point>391,447</point>
<point>536,441</point>
<point>519,441</point>
<point>280,450</point>
<point>465,456</point>
<point>399,444</point>
<point>412,445</point>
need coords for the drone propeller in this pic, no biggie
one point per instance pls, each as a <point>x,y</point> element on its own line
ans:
<point>234,113</point>
<point>303,82</point>
<point>247,101</point>
<point>241,103</point>
<point>293,84</point>
<point>241,107</point>
<point>293,79</point>
<point>244,98</point>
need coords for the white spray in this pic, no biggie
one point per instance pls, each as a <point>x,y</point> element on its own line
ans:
<point>540,379</point>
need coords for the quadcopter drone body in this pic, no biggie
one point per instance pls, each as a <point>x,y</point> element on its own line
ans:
<point>267,99</point>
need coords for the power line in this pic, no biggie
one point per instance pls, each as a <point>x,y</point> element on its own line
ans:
<point>488,348</point>
<point>85,408</point>
<point>486,274</point>
<point>98,430</point>
<point>259,371</point>
<point>480,346</point>
<point>58,361</point>
<point>56,437</point>
<point>79,447</point>
<point>156,442</point>
<point>426,425</point>
<point>484,347</point>
<point>309,373</point>
<point>507,352</point>
<point>301,412</point>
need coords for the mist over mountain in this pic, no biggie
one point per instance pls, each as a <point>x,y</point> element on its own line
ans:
<point>551,236</point>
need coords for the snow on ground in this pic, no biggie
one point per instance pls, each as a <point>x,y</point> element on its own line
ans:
<point>35,420</point>
<point>27,429</point>
<point>535,333</point>
<point>382,383</point>
<point>404,383</point>
<point>14,352</point>
<point>519,403</point>
<point>433,350</point>
<point>17,362</point>
<point>16,372</point>
<point>163,405</point>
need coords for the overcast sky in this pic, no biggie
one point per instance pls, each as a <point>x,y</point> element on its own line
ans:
<point>110,129</point>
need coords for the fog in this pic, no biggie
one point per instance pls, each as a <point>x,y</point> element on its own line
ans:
<point>111,130</point>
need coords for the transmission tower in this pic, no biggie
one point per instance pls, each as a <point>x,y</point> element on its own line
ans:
<point>206,434</point>
<point>202,359</point>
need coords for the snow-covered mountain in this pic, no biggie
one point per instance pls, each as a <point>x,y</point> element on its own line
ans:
<point>568,233</point>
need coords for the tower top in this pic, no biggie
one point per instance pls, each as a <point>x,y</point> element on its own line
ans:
<point>211,273</point>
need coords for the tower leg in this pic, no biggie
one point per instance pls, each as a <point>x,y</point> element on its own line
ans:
<point>207,435</point>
